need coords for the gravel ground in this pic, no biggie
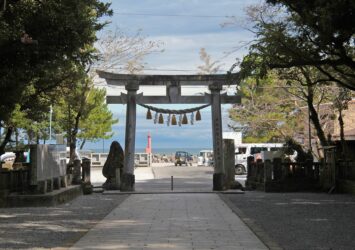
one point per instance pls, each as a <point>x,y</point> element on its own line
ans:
<point>302,220</point>
<point>53,227</point>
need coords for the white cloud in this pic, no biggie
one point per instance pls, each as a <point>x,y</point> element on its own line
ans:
<point>182,52</point>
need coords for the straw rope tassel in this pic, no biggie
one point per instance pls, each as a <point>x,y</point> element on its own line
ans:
<point>198,115</point>
<point>173,120</point>
<point>184,119</point>
<point>149,115</point>
<point>161,119</point>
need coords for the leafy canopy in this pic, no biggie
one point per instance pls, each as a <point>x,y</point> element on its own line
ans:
<point>40,41</point>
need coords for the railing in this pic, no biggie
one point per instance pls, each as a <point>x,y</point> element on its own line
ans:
<point>142,159</point>
<point>99,159</point>
<point>346,170</point>
<point>14,180</point>
<point>282,176</point>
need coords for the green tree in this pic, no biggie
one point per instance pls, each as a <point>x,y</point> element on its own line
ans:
<point>329,25</point>
<point>277,41</point>
<point>302,83</point>
<point>40,43</point>
<point>72,107</point>
<point>266,113</point>
<point>97,124</point>
<point>318,33</point>
<point>81,112</point>
<point>340,100</point>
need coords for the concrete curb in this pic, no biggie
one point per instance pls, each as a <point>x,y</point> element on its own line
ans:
<point>118,192</point>
<point>257,230</point>
<point>49,199</point>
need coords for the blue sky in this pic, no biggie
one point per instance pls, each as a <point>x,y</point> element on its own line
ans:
<point>183,27</point>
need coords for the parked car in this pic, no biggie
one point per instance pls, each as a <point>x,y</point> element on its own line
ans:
<point>205,158</point>
<point>182,157</point>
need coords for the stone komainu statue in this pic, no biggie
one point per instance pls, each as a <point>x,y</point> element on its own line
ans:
<point>114,161</point>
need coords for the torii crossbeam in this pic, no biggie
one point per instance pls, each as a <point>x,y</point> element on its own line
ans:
<point>173,85</point>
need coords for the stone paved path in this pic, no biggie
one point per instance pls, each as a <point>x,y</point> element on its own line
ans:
<point>171,221</point>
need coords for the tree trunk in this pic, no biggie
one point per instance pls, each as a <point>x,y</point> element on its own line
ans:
<point>16,137</point>
<point>342,136</point>
<point>73,137</point>
<point>7,138</point>
<point>82,144</point>
<point>314,118</point>
<point>30,136</point>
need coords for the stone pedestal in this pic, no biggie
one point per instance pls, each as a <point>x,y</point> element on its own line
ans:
<point>127,183</point>
<point>42,187</point>
<point>86,173</point>
<point>218,181</point>
<point>86,170</point>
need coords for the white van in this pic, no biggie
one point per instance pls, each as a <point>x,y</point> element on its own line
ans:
<point>205,158</point>
<point>244,150</point>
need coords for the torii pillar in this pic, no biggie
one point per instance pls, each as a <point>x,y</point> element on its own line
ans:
<point>219,172</point>
<point>128,179</point>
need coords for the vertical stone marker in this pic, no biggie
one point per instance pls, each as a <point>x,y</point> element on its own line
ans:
<point>229,162</point>
<point>219,172</point>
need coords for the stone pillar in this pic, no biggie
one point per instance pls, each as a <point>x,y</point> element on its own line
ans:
<point>219,172</point>
<point>229,161</point>
<point>86,166</point>
<point>127,181</point>
<point>56,183</point>
<point>77,172</point>
<point>63,181</point>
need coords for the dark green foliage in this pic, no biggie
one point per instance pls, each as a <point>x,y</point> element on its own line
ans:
<point>316,33</point>
<point>62,34</point>
<point>267,111</point>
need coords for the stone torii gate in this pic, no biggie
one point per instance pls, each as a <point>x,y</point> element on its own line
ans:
<point>173,85</point>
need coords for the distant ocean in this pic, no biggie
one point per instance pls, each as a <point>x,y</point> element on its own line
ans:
<point>167,151</point>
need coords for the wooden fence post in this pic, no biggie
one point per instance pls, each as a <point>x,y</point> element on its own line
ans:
<point>277,169</point>
<point>267,170</point>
